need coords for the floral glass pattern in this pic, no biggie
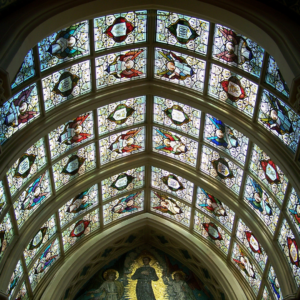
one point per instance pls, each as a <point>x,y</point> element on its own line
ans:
<point>293,209</point>
<point>14,279</point>
<point>274,284</point>
<point>2,197</point>
<point>22,294</point>
<point>121,114</point>
<point>6,234</point>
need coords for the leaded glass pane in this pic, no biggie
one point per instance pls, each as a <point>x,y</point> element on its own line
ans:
<point>232,89</point>
<point>279,119</point>
<point>182,31</point>
<point>268,172</point>
<point>121,114</point>
<point>274,283</point>
<point>236,50</point>
<point>294,209</point>
<point>32,161</point>
<point>169,207</point>
<point>82,228</point>
<point>123,183</point>
<point>172,183</point>
<point>26,70</point>
<point>14,279</point>
<point>261,203</point>
<point>215,208</point>
<point>221,168</point>
<point>226,138</point>
<point>18,111</point>
<point>176,115</point>
<point>74,165</point>
<point>22,294</point>
<point>32,197</point>
<point>6,234</point>
<point>2,197</point>
<point>121,67</point>
<point>122,207</point>
<point>120,29</point>
<point>67,44</point>
<point>71,134</point>
<point>266,295</point>
<point>66,84</point>
<point>175,146</point>
<point>212,232</point>
<point>179,68</point>
<point>78,205</point>
<point>122,144</point>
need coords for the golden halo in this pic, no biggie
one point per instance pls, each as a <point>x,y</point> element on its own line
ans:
<point>110,271</point>
<point>183,275</point>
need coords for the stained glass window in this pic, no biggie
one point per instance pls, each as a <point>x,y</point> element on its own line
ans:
<point>123,207</point>
<point>170,208</point>
<point>172,183</point>
<point>279,119</point>
<point>122,144</point>
<point>66,84</point>
<point>123,183</point>
<point>80,229</point>
<point>33,160</point>
<point>266,295</point>
<point>268,172</point>
<point>78,205</point>
<point>42,265</point>
<point>179,68</point>
<point>121,67</point>
<point>294,209</point>
<point>215,208</point>
<point>175,146</point>
<point>22,294</point>
<point>221,168</point>
<point>212,232</point>
<point>244,263</point>
<point>67,44</point>
<point>2,197</point>
<point>261,203</point>
<point>18,111</point>
<point>274,283</point>
<point>176,115</point>
<point>275,79</point>
<point>232,89</point>
<point>226,138</point>
<point>247,237</point>
<point>26,70</point>
<point>71,134</point>
<point>14,279</point>
<point>40,238</point>
<point>182,31</point>
<point>236,50</point>
<point>74,165</point>
<point>6,234</point>
<point>120,29</point>
<point>121,114</point>
<point>35,194</point>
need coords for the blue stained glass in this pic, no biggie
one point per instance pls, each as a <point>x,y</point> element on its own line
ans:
<point>14,279</point>
<point>274,284</point>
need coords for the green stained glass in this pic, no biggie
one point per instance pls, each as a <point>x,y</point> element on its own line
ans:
<point>266,295</point>
<point>6,234</point>
<point>14,279</point>
<point>22,294</point>
<point>2,197</point>
<point>274,284</point>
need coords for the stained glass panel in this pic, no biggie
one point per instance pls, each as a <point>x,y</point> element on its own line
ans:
<point>32,161</point>
<point>179,68</point>
<point>122,144</point>
<point>274,284</point>
<point>182,31</point>
<point>215,208</point>
<point>80,229</point>
<point>170,208</point>
<point>35,194</point>
<point>120,29</point>
<point>279,119</point>
<point>121,67</point>
<point>26,70</point>
<point>212,232</point>
<point>40,238</point>
<point>123,207</point>
<point>123,183</point>
<point>232,89</point>
<point>176,115</point>
<point>74,165</point>
<point>268,172</point>
<point>71,134</point>
<point>2,197</point>
<point>42,265</point>
<point>266,295</point>
<point>22,294</point>
<point>172,183</point>
<point>66,84</point>
<point>261,203</point>
<point>121,114</point>
<point>67,44</point>
<point>175,146</point>
<point>221,168</point>
<point>236,50</point>
<point>293,209</point>
<point>6,234</point>
<point>18,111</point>
<point>14,279</point>
<point>78,205</point>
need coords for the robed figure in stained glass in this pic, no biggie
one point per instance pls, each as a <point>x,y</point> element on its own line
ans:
<point>245,264</point>
<point>126,204</point>
<point>213,205</point>
<point>125,142</point>
<point>79,203</point>
<point>296,214</point>
<point>47,258</point>
<point>167,205</point>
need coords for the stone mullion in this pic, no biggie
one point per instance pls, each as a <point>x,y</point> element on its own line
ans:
<point>59,234</point>
<point>151,22</point>
<point>264,281</point>
<point>200,141</point>
<point>147,197</point>
<point>232,240</point>
<point>92,51</point>
<point>100,205</point>
<point>49,164</point>
<point>96,133</point>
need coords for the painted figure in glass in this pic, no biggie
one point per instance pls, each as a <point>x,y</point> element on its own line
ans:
<point>46,259</point>
<point>167,205</point>
<point>245,264</point>
<point>275,286</point>
<point>213,205</point>
<point>125,142</point>
<point>79,203</point>
<point>126,204</point>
